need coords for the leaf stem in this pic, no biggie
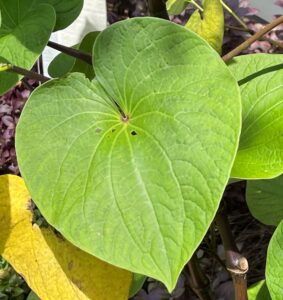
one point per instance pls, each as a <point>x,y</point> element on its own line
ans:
<point>250,31</point>
<point>196,5</point>
<point>236,264</point>
<point>157,8</point>
<point>252,39</point>
<point>72,52</point>
<point>234,14</point>
<point>198,281</point>
<point>24,72</point>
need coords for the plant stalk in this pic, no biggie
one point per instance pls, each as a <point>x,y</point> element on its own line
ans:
<point>236,264</point>
<point>157,8</point>
<point>196,5</point>
<point>24,72</point>
<point>252,39</point>
<point>234,14</point>
<point>72,52</point>
<point>198,281</point>
<point>251,32</point>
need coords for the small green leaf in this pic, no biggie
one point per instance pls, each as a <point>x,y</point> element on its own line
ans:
<point>274,264</point>
<point>63,63</point>
<point>138,189</point>
<point>258,291</point>
<point>211,26</point>
<point>32,296</point>
<point>24,32</point>
<point>137,283</point>
<point>265,200</point>
<point>175,7</point>
<point>260,153</point>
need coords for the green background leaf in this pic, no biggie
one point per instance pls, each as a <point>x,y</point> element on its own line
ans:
<point>24,32</point>
<point>265,200</point>
<point>259,291</point>
<point>274,264</point>
<point>175,7</point>
<point>139,192</point>
<point>63,63</point>
<point>260,153</point>
<point>66,11</point>
<point>137,283</point>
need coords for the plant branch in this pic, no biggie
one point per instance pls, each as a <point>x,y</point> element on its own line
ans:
<point>157,8</point>
<point>72,52</point>
<point>252,39</point>
<point>198,281</point>
<point>250,31</point>
<point>24,72</point>
<point>236,263</point>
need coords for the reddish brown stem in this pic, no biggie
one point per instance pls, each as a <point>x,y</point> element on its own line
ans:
<point>236,263</point>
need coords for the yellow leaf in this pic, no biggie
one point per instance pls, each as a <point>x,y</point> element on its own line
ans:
<point>52,267</point>
<point>211,27</point>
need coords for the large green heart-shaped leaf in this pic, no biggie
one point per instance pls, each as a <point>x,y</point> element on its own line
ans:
<point>24,32</point>
<point>260,153</point>
<point>265,200</point>
<point>138,185</point>
<point>274,264</point>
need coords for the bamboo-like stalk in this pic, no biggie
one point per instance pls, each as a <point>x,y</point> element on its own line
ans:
<point>236,263</point>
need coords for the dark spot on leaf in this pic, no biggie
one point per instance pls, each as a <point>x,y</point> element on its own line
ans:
<point>70,265</point>
<point>97,130</point>
<point>114,129</point>
<point>133,133</point>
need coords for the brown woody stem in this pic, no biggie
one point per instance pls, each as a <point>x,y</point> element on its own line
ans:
<point>198,281</point>
<point>250,31</point>
<point>236,263</point>
<point>72,52</point>
<point>252,39</point>
<point>157,8</point>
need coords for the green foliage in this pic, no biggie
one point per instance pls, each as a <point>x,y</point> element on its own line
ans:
<point>261,144</point>
<point>148,176</point>
<point>274,264</point>
<point>32,296</point>
<point>259,291</point>
<point>211,25</point>
<point>63,63</point>
<point>12,285</point>
<point>24,32</point>
<point>137,283</point>
<point>175,7</point>
<point>265,199</point>
<point>66,11</point>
